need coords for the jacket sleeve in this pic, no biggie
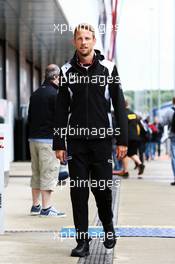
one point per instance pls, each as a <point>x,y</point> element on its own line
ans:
<point>118,103</point>
<point>28,119</point>
<point>167,117</point>
<point>61,115</point>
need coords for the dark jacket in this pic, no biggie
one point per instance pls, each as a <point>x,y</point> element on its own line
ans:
<point>157,131</point>
<point>85,97</point>
<point>41,111</point>
<point>134,128</point>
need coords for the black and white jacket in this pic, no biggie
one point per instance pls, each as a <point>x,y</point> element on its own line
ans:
<point>83,108</point>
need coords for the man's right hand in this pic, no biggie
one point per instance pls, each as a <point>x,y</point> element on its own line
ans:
<point>61,155</point>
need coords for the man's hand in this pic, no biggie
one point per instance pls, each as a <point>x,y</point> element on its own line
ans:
<point>121,152</point>
<point>61,155</point>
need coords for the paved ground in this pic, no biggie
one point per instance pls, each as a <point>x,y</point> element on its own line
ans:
<point>146,202</point>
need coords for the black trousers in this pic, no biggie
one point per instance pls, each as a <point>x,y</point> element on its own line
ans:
<point>90,167</point>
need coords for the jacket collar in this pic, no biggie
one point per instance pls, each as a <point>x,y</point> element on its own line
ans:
<point>97,56</point>
<point>47,83</point>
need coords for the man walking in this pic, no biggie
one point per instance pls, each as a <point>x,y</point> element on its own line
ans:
<point>169,119</point>
<point>134,140</point>
<point>45,166</point>
<point>83,115</point>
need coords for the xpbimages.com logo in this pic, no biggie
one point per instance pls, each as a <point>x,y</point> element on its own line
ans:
<point>101,80</point>
<point>101,184</point>
<point>77,131</point>
<point>85,235</point>
<point>101,28</point>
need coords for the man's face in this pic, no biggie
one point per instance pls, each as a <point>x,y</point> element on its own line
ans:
<point>84,42</point>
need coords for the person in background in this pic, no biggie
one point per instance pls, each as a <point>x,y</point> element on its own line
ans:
<point>148,139</point>
<point>160,131</point>
<point>45,166</point>
<point>117,163</point>
<point>133,144</point>
<point>169,119</point>
<point>144,135</point>
<point>154,128</point>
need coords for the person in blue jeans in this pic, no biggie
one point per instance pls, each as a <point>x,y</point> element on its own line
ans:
<point>148,139</point>
<point>117,163</point>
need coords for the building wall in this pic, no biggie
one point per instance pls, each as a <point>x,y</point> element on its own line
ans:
<point>28,44</point>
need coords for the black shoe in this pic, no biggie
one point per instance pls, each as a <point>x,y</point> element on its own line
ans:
<point>109,237</point>
<point>136,165</point>
<point>81,250</point>
<point>173,183</point>
<point>110,240</point>
<point>141,168</point>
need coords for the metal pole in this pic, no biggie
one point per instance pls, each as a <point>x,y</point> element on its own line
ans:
<point>158,54</point>
<point>174,49</point>
<point>151,9</point>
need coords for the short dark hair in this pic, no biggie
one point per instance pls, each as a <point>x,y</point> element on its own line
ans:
<point>84,26</point>
<point>52,71</point>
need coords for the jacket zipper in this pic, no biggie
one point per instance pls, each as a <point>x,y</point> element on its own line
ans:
<point>87,108</point>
